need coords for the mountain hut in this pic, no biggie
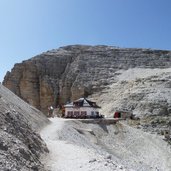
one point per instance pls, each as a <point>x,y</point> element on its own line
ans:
<point>82,108</point>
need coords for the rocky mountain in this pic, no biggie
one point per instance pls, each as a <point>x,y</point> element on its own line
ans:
<point>117,78</point>
<point>146,92</point>
<point>20,143</point>
<point>64,74</point>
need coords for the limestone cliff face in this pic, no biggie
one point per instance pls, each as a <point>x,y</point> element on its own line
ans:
<point>64,74</point>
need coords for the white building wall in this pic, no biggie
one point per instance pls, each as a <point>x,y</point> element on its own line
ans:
<point>89,110</point>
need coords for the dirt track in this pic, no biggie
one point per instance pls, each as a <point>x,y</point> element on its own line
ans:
<point>75,145</point>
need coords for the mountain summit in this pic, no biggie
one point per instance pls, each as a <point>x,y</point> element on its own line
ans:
<point>68,73</point>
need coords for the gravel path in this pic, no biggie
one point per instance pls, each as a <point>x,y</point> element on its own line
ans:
<point>74,145</point>
<point>66,156</point>
<point>63,155</point>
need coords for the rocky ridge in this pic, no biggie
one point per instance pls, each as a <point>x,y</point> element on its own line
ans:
<point>20,145</point>
<point>64,74</point>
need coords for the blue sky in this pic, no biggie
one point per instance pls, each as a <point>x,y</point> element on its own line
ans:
<point>29,27</point>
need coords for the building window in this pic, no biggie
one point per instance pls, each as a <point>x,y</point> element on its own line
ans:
<point>70,113</point>
<point>97,113</point>
<point>76,113</point>
<point>92,112</point>
<point>83,113</point>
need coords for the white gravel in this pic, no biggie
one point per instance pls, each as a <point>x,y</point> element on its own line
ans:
<point>143,91</point>
<point>76,146</point>
<point>63,155</point>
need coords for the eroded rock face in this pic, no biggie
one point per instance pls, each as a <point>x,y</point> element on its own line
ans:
<point>143,91</point>
<point>20,144</point>
<point>67,73</point>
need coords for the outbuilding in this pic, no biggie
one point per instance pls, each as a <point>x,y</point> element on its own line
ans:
<point>124,114</point>
<point>82,108</point>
